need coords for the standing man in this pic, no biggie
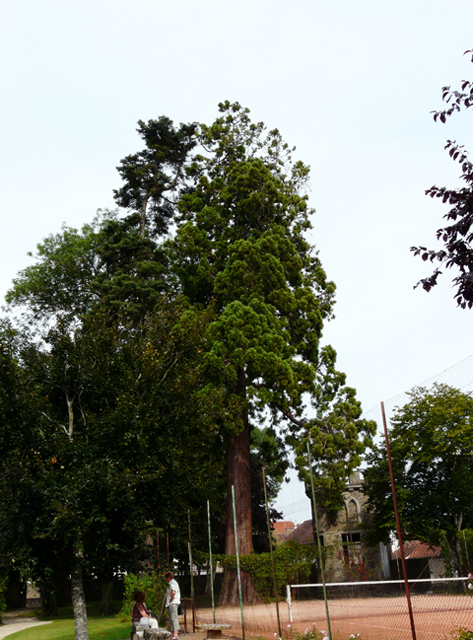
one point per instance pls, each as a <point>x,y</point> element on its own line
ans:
<point>173,599</point>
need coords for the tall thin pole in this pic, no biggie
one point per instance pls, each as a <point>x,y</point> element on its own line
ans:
<point>238,563</point>
<point>210,562</point>
<point>157,546</point>
<point>318,541</point>
<point>398,525</point>
<point>167,545</point>
<point>191,564</point>
<point>271,552</point>
<point>466,549</point>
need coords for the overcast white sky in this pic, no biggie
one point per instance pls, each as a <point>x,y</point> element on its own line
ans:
<point>350,83</point>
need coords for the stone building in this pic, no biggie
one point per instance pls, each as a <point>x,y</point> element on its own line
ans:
<point>347,557</point>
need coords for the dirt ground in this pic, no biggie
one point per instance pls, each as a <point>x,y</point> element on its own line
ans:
<point>381,618</point>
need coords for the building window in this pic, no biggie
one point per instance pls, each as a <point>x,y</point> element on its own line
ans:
<point>352,511</point>
<point>351,545</point>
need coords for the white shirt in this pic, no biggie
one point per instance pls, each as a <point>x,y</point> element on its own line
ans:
<point>173,586</point>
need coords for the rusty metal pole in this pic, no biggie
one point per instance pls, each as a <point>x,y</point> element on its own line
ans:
<point>319,544</point>
<point>270,540</point>
<point>398,525</point>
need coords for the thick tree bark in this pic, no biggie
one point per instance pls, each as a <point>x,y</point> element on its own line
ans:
<point>78,595</point>
<point>238,475</point>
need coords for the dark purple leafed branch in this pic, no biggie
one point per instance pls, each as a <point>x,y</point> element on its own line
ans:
<point>457,236</point>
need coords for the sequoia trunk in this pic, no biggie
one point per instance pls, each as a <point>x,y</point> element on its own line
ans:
<point>238,476</point>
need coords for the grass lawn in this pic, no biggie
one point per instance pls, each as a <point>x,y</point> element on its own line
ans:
<point>102,628</point>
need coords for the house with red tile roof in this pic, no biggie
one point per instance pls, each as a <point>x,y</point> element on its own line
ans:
<point>281,530</point>
<point>422,560</point>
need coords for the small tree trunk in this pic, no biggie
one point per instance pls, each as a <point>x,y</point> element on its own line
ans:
<point>78,595</point>
<point>48,603</point>
<point>106,606</point>
<point>238,475</point>
<point>210,578</point>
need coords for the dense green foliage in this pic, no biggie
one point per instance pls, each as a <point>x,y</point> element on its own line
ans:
<point>293,562</point>
<point>154,586</point>
<point>152,177</point>
<point>167,354</point>
<point>95,410</point>
<point>465,553</point>
<point>60,282</point>
<point>88,457</point>
<point>336,435</point>
<point>431,442</point>
<point>240,246</point>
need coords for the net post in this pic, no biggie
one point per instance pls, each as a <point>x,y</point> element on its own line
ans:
<point>288,600</point>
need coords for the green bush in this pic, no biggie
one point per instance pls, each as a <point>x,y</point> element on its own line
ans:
<point>462,634</point>
<point>153,584</point>
<point>465,550</point>
<point>290,560</point>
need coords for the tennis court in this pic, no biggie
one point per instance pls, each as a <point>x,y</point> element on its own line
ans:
<point>435,615</point>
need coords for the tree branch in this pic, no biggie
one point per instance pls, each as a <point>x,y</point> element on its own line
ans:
<point>289,416</point>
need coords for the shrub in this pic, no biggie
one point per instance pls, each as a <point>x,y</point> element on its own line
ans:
<point>153,584</point>
<point>291,559</point>
<point>462,634</point>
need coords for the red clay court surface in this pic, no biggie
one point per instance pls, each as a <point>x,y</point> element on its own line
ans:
<point>382,618</point>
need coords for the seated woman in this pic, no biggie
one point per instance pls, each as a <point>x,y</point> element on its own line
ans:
<point>140,614</point>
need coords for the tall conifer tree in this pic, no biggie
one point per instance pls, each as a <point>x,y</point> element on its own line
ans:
<point>241,247</point>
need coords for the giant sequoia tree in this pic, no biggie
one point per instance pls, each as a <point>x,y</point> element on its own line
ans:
<point>240,250</point>
<point>240,247</point>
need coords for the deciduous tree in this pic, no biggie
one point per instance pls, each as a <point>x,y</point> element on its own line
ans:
<point>431,442</point>
<point>103,409</point>
<point>336,434</point>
